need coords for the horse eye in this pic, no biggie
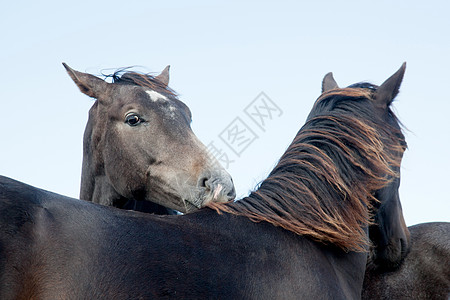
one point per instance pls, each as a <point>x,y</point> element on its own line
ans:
<point>133,119</point>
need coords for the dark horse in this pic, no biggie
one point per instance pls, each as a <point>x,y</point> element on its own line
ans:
<point>425,272</point>
<point>423,275</point>
<point>389,236</point>
<point>139,148</point>
<point>302,234</point>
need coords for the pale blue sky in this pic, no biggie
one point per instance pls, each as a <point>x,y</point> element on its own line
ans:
<point>223,55</point>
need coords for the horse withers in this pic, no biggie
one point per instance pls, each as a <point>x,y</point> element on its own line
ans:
<point>302,234</point>
<point>139,146</point>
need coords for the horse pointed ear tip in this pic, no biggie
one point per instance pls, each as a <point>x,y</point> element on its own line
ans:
<point>329,75</point>
<point>329,83</point>
<point>68,69</point>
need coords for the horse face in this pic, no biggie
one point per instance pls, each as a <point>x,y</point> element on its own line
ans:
<point>150,141</point>
<point>144,144</point>
<point>389,235</point>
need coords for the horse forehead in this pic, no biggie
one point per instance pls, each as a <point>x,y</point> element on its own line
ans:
<point>155,96</point>
<point>169,106</point>
<point>155,101</point>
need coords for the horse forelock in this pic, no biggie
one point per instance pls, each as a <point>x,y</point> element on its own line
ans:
<point>323,185</point>
<point>142,80</point>
<point>360,90</point>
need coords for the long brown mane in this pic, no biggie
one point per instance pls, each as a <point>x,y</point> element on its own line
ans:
<point>323,185</point>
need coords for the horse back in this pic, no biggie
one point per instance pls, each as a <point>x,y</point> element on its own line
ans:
<point>227,256</point>
<point>41,242</point>
<point>20,207</point>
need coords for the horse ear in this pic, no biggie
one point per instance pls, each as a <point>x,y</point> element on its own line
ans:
<point>164,76</point>
<point>389,89</point>
<point>87,83</point>
<point>328,83</point>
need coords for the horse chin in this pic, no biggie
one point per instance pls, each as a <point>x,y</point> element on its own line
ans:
<point>195,203</point>
<point>217,195</point>
<point>189,207</point>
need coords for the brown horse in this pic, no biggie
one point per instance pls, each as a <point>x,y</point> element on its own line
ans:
<point>423,275</point>
<point>139,146</point>
<point>302,234</point>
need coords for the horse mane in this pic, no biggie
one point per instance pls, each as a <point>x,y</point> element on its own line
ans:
<point>121,76</point>
<point>323,185</point>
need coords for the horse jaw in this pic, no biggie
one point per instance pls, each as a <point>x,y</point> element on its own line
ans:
<point>393,243</point>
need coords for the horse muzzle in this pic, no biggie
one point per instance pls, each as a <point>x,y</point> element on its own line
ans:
<point>213,186</point>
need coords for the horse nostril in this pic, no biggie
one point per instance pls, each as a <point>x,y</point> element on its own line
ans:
<point>231,194</point>
<point>203,182</point>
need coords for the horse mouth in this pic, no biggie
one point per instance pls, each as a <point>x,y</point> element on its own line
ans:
<point>219,194</point>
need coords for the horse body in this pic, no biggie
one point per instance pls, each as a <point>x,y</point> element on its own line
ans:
<point>77,250</point>
<point>424,273</point>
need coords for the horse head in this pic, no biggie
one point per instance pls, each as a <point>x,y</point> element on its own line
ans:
<point>389,234</point>
<point>138,144</point>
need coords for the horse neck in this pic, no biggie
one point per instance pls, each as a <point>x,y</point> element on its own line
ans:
<point>324,188</point>
<point>95,185</point>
